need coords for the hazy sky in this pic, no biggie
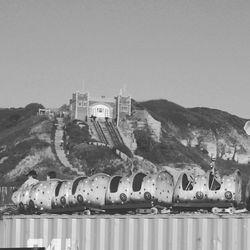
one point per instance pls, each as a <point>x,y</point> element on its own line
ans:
<point>191,52</point>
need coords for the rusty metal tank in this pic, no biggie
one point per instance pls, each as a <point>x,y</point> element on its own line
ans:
<point>164,187</point>
<point>190,189</point>
<point>42,194</point>
<point>21,198</point>
<point>65,193</point>
<point>154,188</point>
<point>142,187</point>
<point>78,191</point>
<point>118,191</point>
<point>96,188</point>
<point>228,190</point>
<point>81,193</point>
<point>62,194</point>
<point>205,188</point>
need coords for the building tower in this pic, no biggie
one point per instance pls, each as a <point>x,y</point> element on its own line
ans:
<point>79,106</point>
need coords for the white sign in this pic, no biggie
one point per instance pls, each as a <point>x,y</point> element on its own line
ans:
<point>55,244</point>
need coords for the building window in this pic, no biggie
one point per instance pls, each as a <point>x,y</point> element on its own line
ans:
<point>124,109</point>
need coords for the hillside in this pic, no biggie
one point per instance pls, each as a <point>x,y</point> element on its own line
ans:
<point>163,133</point>
<point>88,157</point>
<point>190,136</point>
<point>25,144</point>
<point>199,130</point>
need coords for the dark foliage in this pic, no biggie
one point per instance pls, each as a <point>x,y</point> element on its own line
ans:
<point>13,116</point>
<point>77,134</point>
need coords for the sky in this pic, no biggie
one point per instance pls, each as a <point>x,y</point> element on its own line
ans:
<point>195,53</point>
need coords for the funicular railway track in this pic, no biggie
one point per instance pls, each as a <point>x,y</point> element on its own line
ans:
<point>107,133</point>
<point>113,133</point>
<point>100,132</point>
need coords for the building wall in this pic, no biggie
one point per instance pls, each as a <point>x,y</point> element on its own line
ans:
<point>79,106</point>
<point>83,106</point>
<point>123,104</point>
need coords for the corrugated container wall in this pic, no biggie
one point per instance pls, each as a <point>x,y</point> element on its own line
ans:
<point>172,232</point>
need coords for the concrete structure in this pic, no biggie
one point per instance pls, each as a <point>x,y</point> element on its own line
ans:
<point>46,112</point>
<point>83,106</point>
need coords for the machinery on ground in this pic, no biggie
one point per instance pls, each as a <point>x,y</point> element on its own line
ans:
<point>140,191</point>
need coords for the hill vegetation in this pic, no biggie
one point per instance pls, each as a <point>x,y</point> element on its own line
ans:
<point>87,157</point>
<point>192,135</point>
<point>188,137</point>
<point>25,144</point>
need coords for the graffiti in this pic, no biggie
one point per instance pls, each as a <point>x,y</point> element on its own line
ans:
<point>55,244</point>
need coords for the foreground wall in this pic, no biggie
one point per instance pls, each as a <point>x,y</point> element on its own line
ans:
<point>172,232</point>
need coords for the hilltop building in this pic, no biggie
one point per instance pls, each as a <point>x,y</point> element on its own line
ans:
<point>83,107</point>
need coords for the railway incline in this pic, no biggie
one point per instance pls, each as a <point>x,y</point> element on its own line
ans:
<point>106,132</point>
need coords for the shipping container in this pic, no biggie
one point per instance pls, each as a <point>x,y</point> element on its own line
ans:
<point>135,232</point>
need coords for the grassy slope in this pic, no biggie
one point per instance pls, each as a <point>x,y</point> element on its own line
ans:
<point>24,134</point>
<point>170,150</point>
<point>165,111</point>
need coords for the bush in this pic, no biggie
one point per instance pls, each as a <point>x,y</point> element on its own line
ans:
<point>77,134</point>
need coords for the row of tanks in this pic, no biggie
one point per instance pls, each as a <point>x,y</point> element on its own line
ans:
<point>102,191</point>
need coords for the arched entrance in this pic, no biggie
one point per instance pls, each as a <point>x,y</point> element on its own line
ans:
<point>100,111</point>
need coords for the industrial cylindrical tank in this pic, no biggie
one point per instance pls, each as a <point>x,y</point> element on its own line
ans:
<point>96,190</point>
<point>78,191</point>
<point>21,197</point>
<point>62,194</point>
<point>142,187</point>
<point>229,188</point>
<point>164,187</point>
<point>42,194</point>
<point>114,190</point>
<point>207,188</point>
<point>190,189</point>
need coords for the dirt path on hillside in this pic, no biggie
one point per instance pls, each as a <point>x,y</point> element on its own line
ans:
<point>59,148</point>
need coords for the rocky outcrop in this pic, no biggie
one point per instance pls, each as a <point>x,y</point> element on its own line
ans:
<point>142,119</point>
<point>227,145</point>
<point>212,132</point>
<point>127,133</point>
